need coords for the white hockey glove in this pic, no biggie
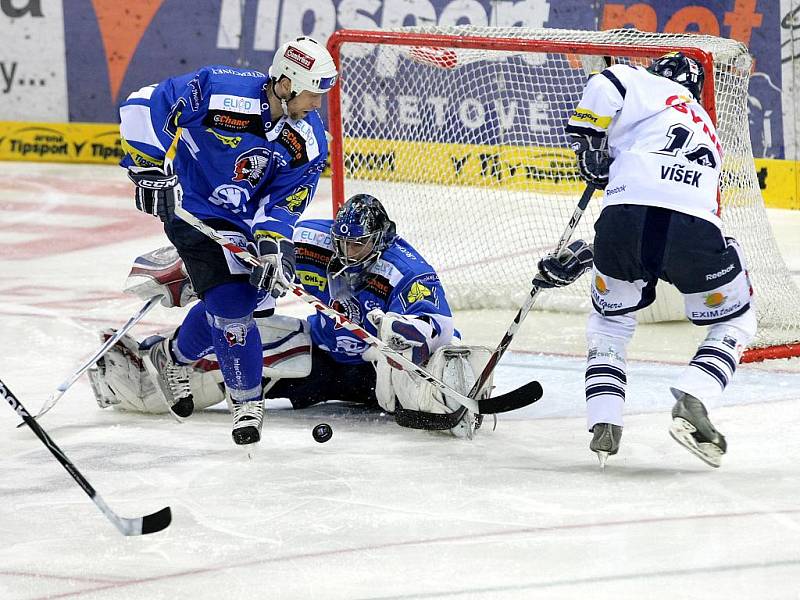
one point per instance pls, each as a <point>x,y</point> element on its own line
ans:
<point>276,272</point>
<point>593,158</point>
<point>558,271</point>
<point>401,333</point>
<point>157,191</point>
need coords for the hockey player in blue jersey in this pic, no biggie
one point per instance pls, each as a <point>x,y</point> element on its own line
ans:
<point>358,264</point>
<point>249,151</point>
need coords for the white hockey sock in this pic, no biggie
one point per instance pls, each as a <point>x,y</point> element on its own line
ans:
<point>713,365</point>
<point>606,380</point>
<point>605,384</point>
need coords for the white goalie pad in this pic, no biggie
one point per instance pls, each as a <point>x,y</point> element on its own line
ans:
<point>286,342</point>
<point>456,365</point>
<point>120,379</point>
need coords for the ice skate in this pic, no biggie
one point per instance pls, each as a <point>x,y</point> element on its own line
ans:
<point>605,441</point>
<point>692,429</point>
<point>172,378</point>
<point>248,418</point>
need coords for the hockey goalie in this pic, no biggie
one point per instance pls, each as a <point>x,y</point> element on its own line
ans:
<point>359,265</point>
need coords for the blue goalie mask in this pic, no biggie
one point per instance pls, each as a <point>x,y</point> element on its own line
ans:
<point>681,69</point>
<point>361,231</point>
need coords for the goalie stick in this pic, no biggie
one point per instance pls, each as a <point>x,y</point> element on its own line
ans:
<point>480,383</point>
<point>491,364</point>
<point>527,394</point>
<point>137,526</point>
<point>67,383</point>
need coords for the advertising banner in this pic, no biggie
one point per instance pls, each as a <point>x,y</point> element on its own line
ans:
<point>75,61</point>
<point>33,74</point>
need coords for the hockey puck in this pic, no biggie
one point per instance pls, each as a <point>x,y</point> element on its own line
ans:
<point>322,433</point>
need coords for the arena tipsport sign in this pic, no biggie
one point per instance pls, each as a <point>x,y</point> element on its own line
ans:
<point>77,60</point>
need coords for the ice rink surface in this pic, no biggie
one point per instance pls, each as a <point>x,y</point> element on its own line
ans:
<point>378,512</point>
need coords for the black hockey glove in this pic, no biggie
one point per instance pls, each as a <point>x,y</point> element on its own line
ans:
<point>276,272</point>
<point>157,191</point>
<point>567,267</point>
<point>593,158</point>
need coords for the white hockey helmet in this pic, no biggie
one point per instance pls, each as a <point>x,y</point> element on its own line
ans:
<point>307,63</point>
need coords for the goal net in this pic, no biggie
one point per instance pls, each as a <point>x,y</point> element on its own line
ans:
<point>459,130</point>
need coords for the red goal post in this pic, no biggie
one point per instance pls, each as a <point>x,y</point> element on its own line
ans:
<point>459,130</point>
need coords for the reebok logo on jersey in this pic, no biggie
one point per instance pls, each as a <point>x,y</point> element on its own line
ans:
<point>681,174</point>
<point>615,190</point>
<point>718,274</point>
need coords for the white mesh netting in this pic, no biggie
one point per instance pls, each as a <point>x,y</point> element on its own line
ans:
<point>466,148</point>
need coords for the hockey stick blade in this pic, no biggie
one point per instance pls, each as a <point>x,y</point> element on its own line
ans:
<point>523,396</point>
<point>157,521</point>
<point>137,526</point>
<point>107,345</point>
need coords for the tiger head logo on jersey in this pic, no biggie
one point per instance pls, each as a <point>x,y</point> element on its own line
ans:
<point>251,165</point>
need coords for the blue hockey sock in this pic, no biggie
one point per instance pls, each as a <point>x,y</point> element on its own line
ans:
<point>194,336</point>
<point>223,323</point>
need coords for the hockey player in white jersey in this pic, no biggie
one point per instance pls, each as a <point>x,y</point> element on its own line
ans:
<point>643,136</point>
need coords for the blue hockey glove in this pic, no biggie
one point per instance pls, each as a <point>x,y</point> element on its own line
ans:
<point>276,272</point>
<point>157,191</point>
<point>593,158</point>
<point>567,267</point>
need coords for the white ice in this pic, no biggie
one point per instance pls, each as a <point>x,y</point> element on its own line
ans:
<point>379,511</point>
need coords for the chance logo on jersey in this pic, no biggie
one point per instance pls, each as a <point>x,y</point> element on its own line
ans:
<point>295,144</point>
<point>251,165</point>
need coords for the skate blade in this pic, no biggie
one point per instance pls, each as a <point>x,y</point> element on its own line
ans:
<point>153,372</point>
<point>681,431</point>
<point>602,457</point>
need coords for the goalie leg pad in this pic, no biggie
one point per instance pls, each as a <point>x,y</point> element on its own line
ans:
<point>456,366</point>
<point>120,379</point>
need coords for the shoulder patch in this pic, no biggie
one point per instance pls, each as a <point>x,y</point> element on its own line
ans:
<point>295,144</point>
<point>237,104</point>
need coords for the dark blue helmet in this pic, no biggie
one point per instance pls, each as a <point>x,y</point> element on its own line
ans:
<point>361,231</point>
<point>681,69</point>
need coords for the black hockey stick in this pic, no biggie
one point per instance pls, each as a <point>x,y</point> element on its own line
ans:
<point>497,404</point>
<point>511,401</point>
<point>138,526</point>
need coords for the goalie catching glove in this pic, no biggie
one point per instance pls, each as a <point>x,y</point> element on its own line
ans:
<point>593,158</point>
<point>276,272</point>
<point>559,271</point>
<point>157,191</point>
